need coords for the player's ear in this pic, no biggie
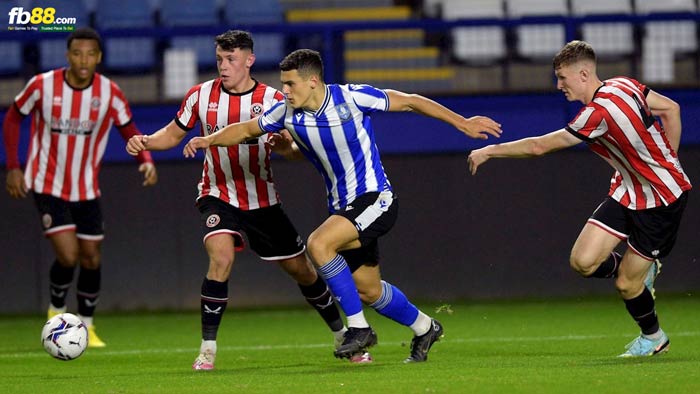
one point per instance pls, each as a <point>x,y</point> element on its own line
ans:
<point>250,60</point>
<point>313,81</point>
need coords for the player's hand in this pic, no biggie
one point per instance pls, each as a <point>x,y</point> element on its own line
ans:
<point>195,143</point>
<point>477,158</point>
<point>14,183</point>
<point>136,144</point>
<point>150,175</point>
<point>480,127</point>
<point>281,143</point>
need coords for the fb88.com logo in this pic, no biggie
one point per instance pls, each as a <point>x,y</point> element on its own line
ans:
<point>45,16</point>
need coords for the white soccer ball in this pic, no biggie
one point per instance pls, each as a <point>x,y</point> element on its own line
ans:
<point>64,336</point>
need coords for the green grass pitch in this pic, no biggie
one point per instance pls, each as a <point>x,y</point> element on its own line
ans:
<point>566,346</point>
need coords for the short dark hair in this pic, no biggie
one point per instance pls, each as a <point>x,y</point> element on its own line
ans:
<point>306,61</point>
<point>233,39</point>
<point>573,52</point>
<point>85,33</point>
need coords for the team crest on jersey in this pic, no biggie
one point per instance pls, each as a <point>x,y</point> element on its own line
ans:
<point>57,101</point>
<point>95,103</point>
<point>213,107</point>
<point>256,110</point>
<point>343,112</point>
<point>213,220</point>
<point>46,220</point>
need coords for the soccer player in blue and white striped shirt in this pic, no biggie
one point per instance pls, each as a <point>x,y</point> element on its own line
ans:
<point>330,125</point>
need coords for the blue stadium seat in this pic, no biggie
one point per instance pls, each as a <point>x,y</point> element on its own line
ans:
<point>11,57</point>
<point>130,54</point>
<point>52,54</point>
<point>110,14</point>
<point>189,13</point>
<point>269,47</point>
<point>203,47</point>
<point>126,53</point>
<point>238,12</point>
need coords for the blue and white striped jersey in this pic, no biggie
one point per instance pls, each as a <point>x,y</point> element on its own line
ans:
<point>338,139</point>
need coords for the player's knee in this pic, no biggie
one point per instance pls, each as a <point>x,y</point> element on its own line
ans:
<point>221,259</point>
<point>317,247</point>
<point>67,259</point>
<point>628,288</point>
<point>582,265</point>
<point>301,270</point>
<point>90,260</point>
<point>370,295</point>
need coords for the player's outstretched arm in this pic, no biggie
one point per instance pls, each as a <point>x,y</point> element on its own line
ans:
<point>232,134</point>
<point>475,127</point>
<point>524,148</point>
<point>165,138</point>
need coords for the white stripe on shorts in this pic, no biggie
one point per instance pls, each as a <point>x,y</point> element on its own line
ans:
<point>374,211</point>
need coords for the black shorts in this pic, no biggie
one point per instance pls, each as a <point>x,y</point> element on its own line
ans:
<point>269,231</point>
<point>83,217</point>
<point>651,233</point>
<point>373,215</point>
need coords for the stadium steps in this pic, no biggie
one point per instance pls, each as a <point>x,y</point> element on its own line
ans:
<point>348,14</point>
<point>385,58</point>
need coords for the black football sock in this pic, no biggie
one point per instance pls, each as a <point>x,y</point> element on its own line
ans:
<point>88,290</point>
<point>213,305</point>
<point>320,298</point>
<point>609,267</point>
<point>641,308</point>
<point>60,278</point>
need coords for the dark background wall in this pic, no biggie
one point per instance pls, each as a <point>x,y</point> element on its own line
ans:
<point>505,233</point>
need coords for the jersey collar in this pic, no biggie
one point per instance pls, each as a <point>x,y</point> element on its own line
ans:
<point>326,100</point>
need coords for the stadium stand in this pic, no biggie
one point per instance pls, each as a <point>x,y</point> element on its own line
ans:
<point>535,44</point>
<point>396,58</point>
<point>52,52</point>
<point>269,48</point>
<point>12,49</point>
<point>540,40</point>
<point>614,41</point>
<point>178,13</point>
<point>665,42</point>
<point>609,39</point>
<point>427,46</point>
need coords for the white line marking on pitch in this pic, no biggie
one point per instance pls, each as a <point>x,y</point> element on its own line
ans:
<point>329,345</point>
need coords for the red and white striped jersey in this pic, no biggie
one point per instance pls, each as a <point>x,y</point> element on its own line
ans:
<point>619,126</point>
<point>240,174</point>
<point>69,132</point>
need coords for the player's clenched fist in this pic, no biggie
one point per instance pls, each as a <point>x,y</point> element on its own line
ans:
<point>136,144</point>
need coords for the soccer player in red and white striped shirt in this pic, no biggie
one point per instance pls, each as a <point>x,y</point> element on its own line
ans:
<point>648,191</point>
<point>72,111</point>
<point>237,193</point>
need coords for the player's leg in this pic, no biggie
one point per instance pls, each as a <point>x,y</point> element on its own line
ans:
<point>90,233</point>
<point>652,236</point>
<point>273,237</point>
<point>593,253</point>
<point>65,247</point>
<point>221,240</point>
<point>59,228</point>
<point>640,305</point>
<point>367,218</point>
<point>333,235</point>
<point>316,293</point>
<point>389,301</point>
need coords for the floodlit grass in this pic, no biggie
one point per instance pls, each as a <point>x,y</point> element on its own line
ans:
<point>504,347</point>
